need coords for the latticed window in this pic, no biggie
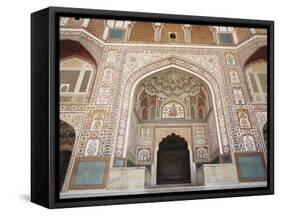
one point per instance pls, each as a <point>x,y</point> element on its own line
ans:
<point>226,38</point>
<point>75,76</point>
<point>225,34</point>
<point>117,29</point>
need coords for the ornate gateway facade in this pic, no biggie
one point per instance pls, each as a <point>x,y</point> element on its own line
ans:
<point>144,105</point>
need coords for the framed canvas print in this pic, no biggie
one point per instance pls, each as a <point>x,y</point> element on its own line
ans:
<point>139,107</point>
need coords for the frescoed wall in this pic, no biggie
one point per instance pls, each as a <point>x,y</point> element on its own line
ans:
<point>123,90</point>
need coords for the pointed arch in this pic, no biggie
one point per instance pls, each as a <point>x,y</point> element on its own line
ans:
<point>260,53</point>
<point>135,78</point>
<point>173,161</point>
<point>70,48</point>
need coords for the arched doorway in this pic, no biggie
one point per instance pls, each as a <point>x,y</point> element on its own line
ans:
<point>173,165</point>
<point>136,135</point>
<point>177,101</point>
<point>67,139</point>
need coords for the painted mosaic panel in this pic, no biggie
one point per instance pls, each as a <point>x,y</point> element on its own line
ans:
<point>103,95</point>
<point>143,154</point>
<point>202,154</point>
<point>92,147</point>
<point>238,96</point>
<point>249,143</point>
<point>173,110</point>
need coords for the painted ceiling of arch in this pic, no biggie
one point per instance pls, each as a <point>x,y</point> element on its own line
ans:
<point>172,83</point>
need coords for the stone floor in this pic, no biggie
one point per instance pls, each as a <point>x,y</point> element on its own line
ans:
<point>157,189</point>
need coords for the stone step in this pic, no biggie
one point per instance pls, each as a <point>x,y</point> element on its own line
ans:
<point>169,185</point>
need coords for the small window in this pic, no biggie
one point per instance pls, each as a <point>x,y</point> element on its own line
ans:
<point>172,36</point>
<point>225,35</point>
<point>85,81</point>
<point>64,87</point>
<point>263,81</point>
<point>69,78</point>
<point>226,38</point>
<point>116,29</point>
<point>116,34</point>
<point>75,76</point>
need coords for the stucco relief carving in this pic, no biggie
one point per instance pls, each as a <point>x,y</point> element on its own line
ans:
<point>238,96</point>
<point>135,61</point>
<point>173,83</point>
<point>74,119</point>
<point>262,121</point>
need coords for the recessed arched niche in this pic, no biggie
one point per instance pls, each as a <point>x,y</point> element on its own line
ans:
<point>172,94</point>
<point>172,100</point>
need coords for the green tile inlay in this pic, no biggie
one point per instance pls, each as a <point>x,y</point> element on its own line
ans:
<point>251,167</point>
<point>90,173</point>
<point>226,38</point>
<point>118,34</point>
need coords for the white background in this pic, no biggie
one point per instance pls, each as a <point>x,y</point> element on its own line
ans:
<point>15,107</point>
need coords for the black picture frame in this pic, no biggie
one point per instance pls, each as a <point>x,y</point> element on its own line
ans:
<point>45,107</point>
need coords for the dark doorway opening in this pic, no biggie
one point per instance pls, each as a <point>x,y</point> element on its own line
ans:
<point>264,131</point>
<point>67,139</point>
<point>173,162</point>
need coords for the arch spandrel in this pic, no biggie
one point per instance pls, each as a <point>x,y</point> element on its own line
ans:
<point>136,61</point>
